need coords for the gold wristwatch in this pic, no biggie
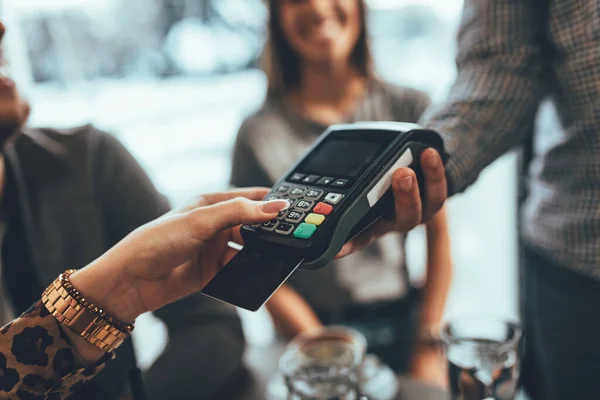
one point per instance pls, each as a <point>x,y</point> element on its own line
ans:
<point>72,310</point>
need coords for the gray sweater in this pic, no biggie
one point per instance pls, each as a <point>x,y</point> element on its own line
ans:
<point>267,145</point>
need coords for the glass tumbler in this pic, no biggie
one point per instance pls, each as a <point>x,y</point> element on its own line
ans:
<point>324,364</point>
<point>483,358</point>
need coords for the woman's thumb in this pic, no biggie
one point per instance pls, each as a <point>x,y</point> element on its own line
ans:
<point>240,210</point>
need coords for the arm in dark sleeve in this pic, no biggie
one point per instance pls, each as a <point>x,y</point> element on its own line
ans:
<point>206,340</point>
<point>492,105</point>
<point>245,169</point>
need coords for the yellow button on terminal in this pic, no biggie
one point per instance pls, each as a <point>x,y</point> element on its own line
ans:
<point>315,219</point>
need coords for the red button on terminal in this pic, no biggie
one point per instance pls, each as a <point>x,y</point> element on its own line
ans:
<point>323,209</point>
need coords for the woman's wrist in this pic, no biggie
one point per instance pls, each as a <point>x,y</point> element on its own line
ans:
<point>100,320</point>
<point>109,288</point>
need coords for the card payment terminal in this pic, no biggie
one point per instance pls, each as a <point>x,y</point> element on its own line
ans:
<point>338,188</point>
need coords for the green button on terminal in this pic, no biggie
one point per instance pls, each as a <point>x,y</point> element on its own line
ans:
<point>304,231</point>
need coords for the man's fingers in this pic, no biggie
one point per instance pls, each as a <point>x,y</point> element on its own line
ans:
<point>364,239</point>
<point>252,193</point>
<point>207,221</point>
<point>436,187</point>
<point>406,199</point>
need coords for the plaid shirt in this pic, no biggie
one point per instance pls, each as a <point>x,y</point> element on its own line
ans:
<point>512,55</point>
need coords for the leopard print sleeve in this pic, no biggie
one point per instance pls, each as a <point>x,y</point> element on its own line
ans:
<point>37,361</point>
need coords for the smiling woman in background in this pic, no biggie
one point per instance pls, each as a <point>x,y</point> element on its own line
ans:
<point>320,72</point>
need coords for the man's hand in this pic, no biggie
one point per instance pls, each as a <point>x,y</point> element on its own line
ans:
<point>409,211</point>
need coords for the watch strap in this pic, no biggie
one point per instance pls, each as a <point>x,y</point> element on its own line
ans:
<point>74,315</point>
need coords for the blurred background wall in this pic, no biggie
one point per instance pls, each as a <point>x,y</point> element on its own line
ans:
<point>173,80</point>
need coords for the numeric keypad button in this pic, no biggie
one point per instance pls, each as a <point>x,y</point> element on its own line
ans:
<point>272,196</point>
<point>270,225</point>
<point>284,228</point>
<point>283,213</point>
<point>294,216</point>
<point>282,189</point>
<point>313,194</point>
<point>297,191</point>
<point>303,205</point>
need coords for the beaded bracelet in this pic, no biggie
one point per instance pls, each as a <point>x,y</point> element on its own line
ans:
<point>74,293</point>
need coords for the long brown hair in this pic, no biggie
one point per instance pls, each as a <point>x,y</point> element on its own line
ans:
<point>282,65</point>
